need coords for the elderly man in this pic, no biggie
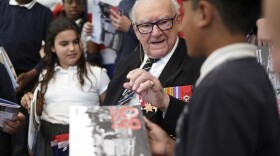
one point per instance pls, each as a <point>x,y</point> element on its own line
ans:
<point>156,25</point>
<point>233,108</point>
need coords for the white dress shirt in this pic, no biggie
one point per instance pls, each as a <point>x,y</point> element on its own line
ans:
<point>65,91</point>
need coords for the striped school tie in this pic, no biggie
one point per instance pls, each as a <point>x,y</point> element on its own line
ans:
<point>127,94</point>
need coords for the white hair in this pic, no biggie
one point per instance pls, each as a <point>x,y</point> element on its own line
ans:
<point>175,4</point>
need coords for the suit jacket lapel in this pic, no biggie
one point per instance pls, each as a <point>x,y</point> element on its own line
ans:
<point>125,69</point>
<point>173,66</point>
<point>168,75</point>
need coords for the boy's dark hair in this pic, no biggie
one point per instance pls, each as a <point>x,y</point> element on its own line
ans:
<point>239,16</point>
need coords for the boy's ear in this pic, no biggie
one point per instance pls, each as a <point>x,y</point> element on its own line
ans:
<point>206,12</point>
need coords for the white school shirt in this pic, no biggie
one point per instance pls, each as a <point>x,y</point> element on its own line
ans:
<point>28,5</point>
<point>65,91</point>
<point>224,54</point>
<point>155,70</point>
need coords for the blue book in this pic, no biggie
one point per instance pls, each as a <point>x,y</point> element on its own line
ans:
<point>8,110</point>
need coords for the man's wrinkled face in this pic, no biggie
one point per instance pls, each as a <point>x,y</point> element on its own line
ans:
<point>155,15</point>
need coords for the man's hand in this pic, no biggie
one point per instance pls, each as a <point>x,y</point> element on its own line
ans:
<point>26,100</point>
<point>24,78</point>
<point>120,23</point>
<point>148,87</point>
<point>13,126</point>
<point>160,142</point>
<point>263,35</point>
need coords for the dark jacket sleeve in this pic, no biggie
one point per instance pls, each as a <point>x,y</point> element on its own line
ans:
<point>6,92</point>
<point>226,121</point>
<point>171,115</point>
<point>6,88</point>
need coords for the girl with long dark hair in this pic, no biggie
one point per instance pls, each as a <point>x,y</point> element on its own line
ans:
<point>66,80</point>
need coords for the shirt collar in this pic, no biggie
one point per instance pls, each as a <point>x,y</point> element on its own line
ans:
<point>59,68</point>
<point>224,54</point>
<point>166,58</point>
<point>28,5</point>
<point>78,21</point>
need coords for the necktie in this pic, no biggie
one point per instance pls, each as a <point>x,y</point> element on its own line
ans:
<point>127,94</point>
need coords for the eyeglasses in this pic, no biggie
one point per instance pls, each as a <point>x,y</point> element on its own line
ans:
<point>163,25</point>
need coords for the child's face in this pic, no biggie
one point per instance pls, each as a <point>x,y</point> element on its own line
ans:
<point>67,48</point>
<point>73,8</point>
